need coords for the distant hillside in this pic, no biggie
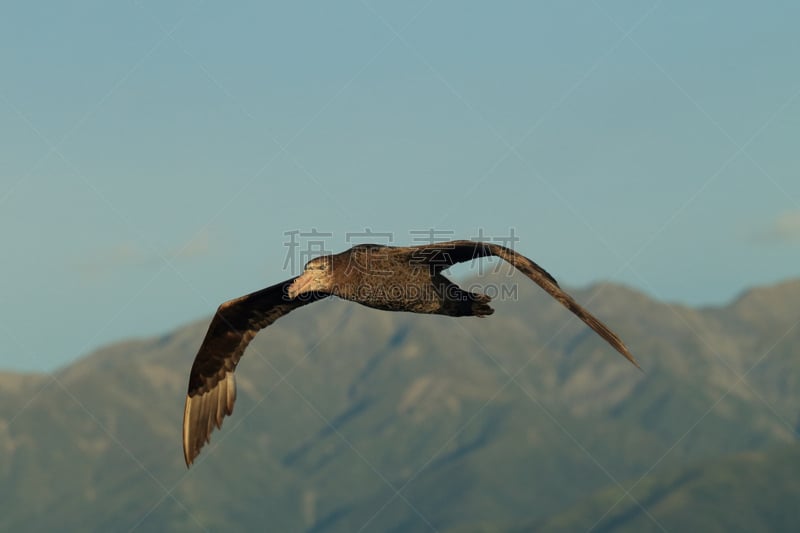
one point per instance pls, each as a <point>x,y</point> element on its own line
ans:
<point>339,406</point>
<point>752,491</point>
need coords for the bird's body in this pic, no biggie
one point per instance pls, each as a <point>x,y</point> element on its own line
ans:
<point>398,279</point>
<point>389,278</point>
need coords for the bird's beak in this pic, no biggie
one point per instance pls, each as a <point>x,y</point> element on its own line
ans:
<point>301,284</point>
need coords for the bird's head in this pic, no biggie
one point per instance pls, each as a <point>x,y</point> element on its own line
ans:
<point>317,276</point>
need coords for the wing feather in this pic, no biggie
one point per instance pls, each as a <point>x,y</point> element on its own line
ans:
<point>212,388</point>
<point>445,254</point>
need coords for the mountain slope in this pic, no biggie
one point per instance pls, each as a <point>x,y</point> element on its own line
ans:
<point>340,407</point>
<point>753,491</point>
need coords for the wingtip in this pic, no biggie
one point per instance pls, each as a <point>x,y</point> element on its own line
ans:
<point>188,457</point>
<point>204,412</point>
<point>629,356</point>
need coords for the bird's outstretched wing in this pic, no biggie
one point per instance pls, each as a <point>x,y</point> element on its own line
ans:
<point>444,254</point>
<point>212,389</point>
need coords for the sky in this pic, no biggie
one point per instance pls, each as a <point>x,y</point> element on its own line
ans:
<point>159,158</point>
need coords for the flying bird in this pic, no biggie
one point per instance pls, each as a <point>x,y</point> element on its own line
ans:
<point>390,278</point>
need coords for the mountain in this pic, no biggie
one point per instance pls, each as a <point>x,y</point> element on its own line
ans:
<point>351,419</point>
<point>750,491</point>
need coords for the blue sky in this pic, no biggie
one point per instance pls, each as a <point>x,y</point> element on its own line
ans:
<point>155,154</point>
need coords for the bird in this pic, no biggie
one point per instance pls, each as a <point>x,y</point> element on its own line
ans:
<point>389,278</point>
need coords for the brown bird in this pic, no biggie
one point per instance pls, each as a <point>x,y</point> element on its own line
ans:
<point>383,277</point>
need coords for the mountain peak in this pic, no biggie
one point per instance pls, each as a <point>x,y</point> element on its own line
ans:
<point>778,301</point>
<point>465,408</point>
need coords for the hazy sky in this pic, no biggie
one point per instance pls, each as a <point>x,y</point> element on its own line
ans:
<point>156,154</point>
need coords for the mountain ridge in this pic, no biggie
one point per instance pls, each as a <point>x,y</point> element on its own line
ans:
<point>339,406</point>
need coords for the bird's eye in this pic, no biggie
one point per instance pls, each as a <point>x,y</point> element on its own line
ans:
<point>317,265</point>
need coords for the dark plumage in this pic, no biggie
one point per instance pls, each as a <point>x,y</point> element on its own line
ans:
<point>383,277</point>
